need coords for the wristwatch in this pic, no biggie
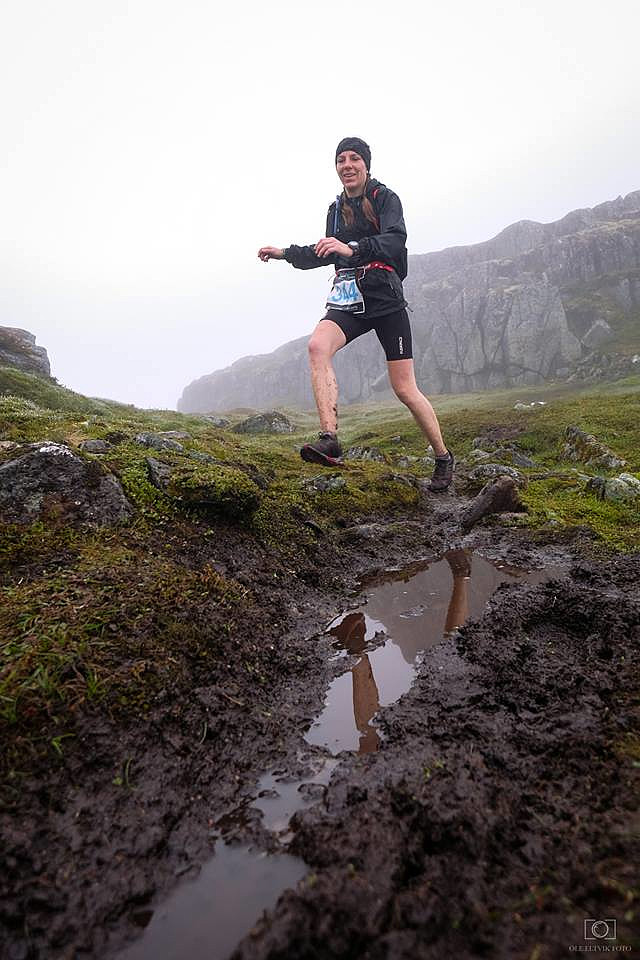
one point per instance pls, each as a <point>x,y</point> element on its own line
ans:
<point>355,246</point>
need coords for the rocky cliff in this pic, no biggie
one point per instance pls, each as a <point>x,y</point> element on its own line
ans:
<point>18,349</point>
<point>517,309</point>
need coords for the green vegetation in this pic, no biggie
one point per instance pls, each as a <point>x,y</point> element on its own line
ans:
<point>225,490</point>
<point>113,616</point>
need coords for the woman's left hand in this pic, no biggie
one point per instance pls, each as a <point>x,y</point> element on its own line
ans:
<point>331,245</point>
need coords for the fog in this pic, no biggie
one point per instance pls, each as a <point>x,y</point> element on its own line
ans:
<point>148,149</point>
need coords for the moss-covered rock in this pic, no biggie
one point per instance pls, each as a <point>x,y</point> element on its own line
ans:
<point>225,490</point>
<point>585,448</point>
<point>271,422</point>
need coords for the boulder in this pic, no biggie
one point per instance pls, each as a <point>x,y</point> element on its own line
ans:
<point>622,488</point>
<point>584,447</point>
<point>18,349</point>
<point>231,488</point>
<point>221,489</point>
<point>50,480</point>
<point>271,422</point>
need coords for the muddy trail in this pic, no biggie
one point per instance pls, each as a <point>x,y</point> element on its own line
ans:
<point>441,759</point>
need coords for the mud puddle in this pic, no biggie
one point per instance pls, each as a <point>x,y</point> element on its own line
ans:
<point>207,917</point>
<point>406,613</point>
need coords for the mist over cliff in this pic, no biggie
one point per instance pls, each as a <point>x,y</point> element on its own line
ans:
<point>520,308</point>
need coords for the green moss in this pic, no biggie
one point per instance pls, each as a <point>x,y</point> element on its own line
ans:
<point>148,500</point>
<point>120,619</point>
<point>224,490</point>
<point>22,545</point>
<point>566,502</point>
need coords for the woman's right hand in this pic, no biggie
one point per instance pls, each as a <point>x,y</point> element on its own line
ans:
<point>271,253</point>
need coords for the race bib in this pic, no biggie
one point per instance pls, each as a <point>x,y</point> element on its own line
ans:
<point>345,293</point>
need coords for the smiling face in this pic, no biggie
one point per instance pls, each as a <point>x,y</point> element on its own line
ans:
<point>352,172</point>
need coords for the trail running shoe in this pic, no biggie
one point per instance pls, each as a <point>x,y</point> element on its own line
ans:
<point>326,450</point>
<point>442,473</point>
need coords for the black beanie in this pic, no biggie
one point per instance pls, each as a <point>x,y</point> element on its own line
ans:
<point>358,146</point>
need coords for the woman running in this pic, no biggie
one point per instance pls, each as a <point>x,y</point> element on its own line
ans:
<point>366,242</point>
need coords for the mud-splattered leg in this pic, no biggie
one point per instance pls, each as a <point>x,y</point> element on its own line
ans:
<point>325,341</point>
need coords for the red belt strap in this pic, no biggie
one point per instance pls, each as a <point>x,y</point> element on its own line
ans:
<point>377,265</point>
<point>374,265</point>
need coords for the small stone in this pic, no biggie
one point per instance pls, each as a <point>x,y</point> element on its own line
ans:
<point>94,446</point>
<point>491,471</point>
<point>512,456</point>
<point>157,442</point>
<point>175,434</point>
<point>477,455</point>
<point>406,481</point>
<point>324,483</point>
<point>201,456</point>
<point>217,421</point>
<point>159,473</point>
<point>365,453</point>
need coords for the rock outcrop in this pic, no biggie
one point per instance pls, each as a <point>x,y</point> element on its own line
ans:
<point>518,309</point>
<point>49,480</point>
<point>18,349</point>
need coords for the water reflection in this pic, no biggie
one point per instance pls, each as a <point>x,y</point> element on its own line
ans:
<point>413,611</point>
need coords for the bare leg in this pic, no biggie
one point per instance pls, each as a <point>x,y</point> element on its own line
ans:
<point>460,563</point>
<point>403,381</point>
<point>325,341</point>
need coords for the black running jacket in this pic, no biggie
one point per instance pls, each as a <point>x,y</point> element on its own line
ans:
<point>387,244</point>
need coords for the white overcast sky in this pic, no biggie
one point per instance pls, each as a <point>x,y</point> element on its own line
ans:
<point>148,148</point>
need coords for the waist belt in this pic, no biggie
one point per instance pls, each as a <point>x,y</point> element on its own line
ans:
<point>374,265</point>
<point>377,265</point>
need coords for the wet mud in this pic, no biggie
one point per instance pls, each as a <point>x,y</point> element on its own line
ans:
<point>473,794</point>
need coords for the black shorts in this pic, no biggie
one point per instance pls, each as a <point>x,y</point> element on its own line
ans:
<point>393,330</point>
